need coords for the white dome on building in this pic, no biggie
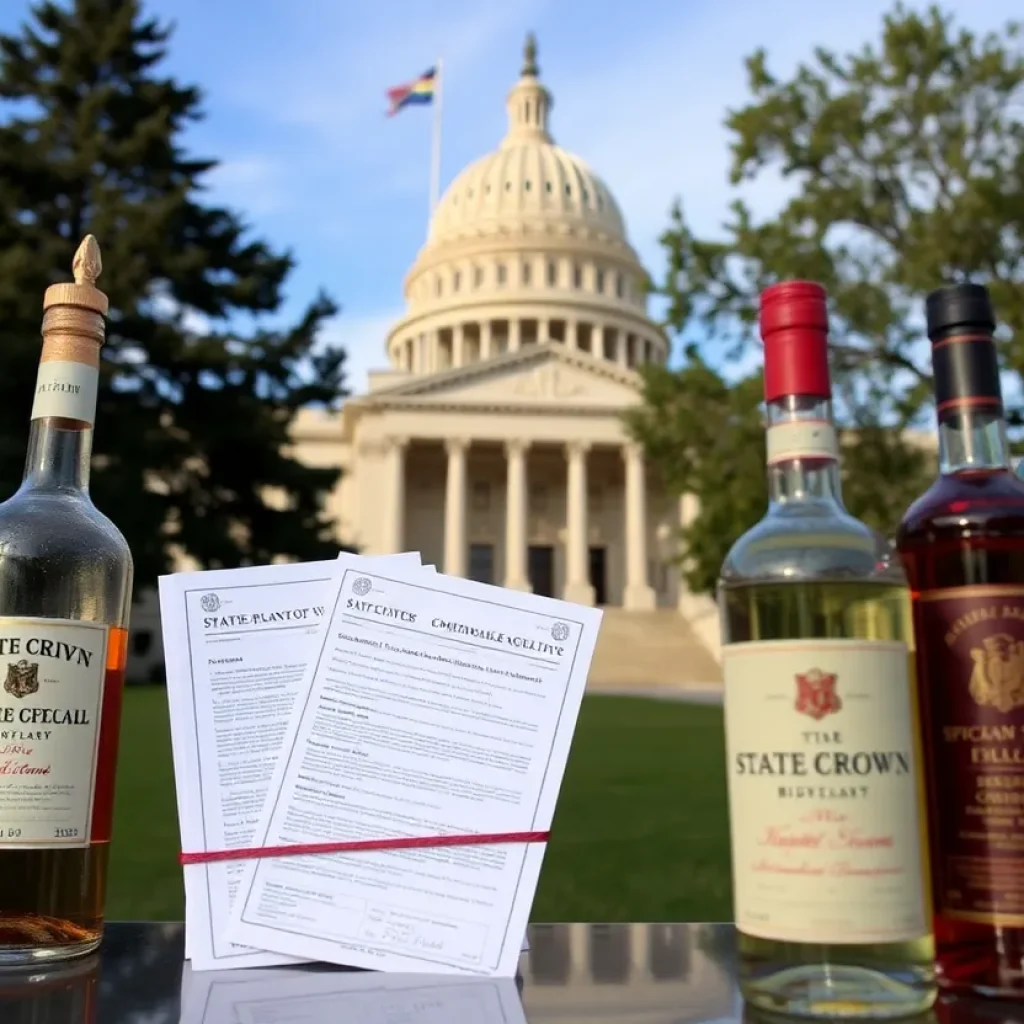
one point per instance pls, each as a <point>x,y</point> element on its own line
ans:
<point>526,247</point>
<point>529,181</point>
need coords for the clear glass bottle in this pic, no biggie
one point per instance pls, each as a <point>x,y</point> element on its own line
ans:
<point>821,733</point>
<point>962,543</point>
<point>65,594</point>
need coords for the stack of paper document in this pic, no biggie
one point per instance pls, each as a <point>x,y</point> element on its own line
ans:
<point>366,700</point>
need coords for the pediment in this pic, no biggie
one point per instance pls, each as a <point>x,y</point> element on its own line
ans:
<point>541,378</point>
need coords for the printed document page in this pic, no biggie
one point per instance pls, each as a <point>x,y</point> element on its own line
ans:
<point>311,996</point>
<point>435,706</point>
<point>236,644</point>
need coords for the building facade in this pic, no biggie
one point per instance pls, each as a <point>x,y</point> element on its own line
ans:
<point>494,441</point>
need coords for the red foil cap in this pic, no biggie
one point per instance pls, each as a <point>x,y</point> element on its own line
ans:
<point>794,329</point>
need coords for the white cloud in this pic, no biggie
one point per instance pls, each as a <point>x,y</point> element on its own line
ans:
<point>362,336</point>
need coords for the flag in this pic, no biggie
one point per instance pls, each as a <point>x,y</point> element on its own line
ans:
<point>421,91</point>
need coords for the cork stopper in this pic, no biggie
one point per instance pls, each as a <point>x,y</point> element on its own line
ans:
<point>73,313</point>
<point>83,294</point>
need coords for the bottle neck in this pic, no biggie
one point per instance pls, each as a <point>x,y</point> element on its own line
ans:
<point>972,440</point>
<point>59,455</point>
<point>803,454</point>
<point>64,406</point>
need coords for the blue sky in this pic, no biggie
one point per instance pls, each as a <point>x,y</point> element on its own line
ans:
<point>295,103</point>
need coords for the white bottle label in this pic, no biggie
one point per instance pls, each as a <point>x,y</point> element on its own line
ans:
<point>51,703</point>
<point>68,389</point>
<point>823,791</point>
<point>801,439</point>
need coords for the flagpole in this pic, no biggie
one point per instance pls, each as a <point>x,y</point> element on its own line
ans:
<point>435,142</point>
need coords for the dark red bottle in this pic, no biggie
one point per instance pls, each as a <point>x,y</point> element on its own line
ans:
<point>962,545</point>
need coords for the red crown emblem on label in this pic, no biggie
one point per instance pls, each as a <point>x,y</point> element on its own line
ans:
<point>816,694</point>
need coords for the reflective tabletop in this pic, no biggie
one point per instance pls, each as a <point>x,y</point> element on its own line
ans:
<point>655,973</point>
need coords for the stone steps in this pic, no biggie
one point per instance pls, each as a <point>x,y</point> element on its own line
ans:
<point>649,650</point>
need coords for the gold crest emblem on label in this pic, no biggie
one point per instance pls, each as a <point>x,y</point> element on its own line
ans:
<point>997,680</point>
<point>22,678</point>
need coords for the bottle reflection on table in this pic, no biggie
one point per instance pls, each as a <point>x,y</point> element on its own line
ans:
<point>56,993</point>
<point>948,1010</point>
<point>962,1010</point>
<point>754,1015</point>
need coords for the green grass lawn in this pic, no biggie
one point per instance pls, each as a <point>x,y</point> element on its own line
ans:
<point>641,832</point>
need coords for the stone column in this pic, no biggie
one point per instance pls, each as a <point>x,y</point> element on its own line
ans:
<point>514,335</point>
<point>455,508</point>
<point>516,577</point>
<point>621,342</point>
<point>485,339</point>
<point>572,341</point>
<point>433,351</point>
<point>458,345</point>
<point>577,564</point>
<point>639,595</point>
<point>394,495</point>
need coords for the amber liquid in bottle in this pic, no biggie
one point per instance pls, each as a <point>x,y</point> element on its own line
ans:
<point>65,594</point>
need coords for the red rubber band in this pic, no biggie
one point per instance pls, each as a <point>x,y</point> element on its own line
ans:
<point>413,843</point>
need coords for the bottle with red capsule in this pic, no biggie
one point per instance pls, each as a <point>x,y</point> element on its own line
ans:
<point>824,771</point>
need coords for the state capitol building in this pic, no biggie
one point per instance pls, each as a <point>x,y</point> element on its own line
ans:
<point>493,442</point>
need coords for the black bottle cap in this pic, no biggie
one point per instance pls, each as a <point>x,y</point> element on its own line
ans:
<point>964,360</point>
<point>959,307</point>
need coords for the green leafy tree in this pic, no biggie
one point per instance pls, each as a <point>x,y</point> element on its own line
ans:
<point>706,437</point>
<point>903,164</point>
<point>194,410</point>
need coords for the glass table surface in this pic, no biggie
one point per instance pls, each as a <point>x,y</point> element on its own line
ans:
<point>609,973</point>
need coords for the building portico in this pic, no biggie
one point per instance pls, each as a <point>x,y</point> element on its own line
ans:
<point>539,514</point>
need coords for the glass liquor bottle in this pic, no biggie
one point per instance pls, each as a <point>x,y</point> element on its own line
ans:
<point>65,593</point>
<point>962,543</point>
<point>825,790</point>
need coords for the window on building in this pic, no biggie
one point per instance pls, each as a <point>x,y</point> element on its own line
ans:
<point>552,274</point>
<point>502,273</point>
<point>456,281</point>
<point>599,282</point>
<point>481,563</point>
<point>620,286</point>
<point>527,272</point>
<point>577,276</point>
<point>478,276</point>
<point>437,286</point>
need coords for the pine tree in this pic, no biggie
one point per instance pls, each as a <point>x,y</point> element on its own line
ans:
<point>194,413</point>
